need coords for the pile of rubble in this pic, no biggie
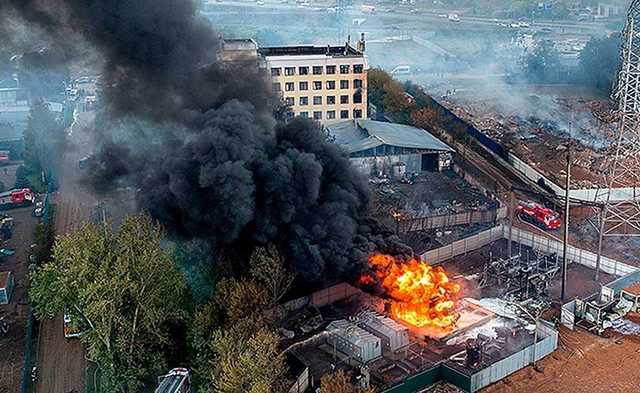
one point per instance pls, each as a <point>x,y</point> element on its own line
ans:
<point>540,136</point>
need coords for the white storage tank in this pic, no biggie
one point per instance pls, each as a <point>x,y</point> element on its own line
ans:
<point>398,170</point>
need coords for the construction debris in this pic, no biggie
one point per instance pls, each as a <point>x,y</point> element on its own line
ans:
<point>538,129</point>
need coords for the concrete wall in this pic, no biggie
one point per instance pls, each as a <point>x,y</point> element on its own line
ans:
<point>590,195</point>
<point>333,294</point>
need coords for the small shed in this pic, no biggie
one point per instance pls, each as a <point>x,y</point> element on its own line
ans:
<point>354,341</point>
<point>6,287</point>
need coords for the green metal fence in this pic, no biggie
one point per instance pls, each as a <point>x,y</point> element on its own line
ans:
<point>419,381</point>
<point>28,348</point>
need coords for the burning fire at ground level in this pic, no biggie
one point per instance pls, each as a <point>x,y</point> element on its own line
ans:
<point>421,295</point>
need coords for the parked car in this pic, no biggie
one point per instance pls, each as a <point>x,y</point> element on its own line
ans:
<point>72,324</point>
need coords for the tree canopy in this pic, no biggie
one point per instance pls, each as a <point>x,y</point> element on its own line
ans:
<point>126,289</point>
<point>543,63</point>
<point>236,351</point>
<point>340,382</point>
<point>44,140</point>
<point>599,62</point>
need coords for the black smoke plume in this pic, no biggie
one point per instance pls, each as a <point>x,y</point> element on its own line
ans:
<point>200,140</point>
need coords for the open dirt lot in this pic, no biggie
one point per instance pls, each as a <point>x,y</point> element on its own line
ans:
<point>15,313</point>
<point>583,363</point>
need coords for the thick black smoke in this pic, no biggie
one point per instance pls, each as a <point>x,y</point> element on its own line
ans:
<point>209,159</point>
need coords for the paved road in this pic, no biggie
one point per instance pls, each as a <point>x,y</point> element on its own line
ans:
<point>62,362</point>
<point>408,14</point>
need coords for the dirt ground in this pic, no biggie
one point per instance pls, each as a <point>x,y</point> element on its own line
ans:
<point>15,313</point>
<point>583,363</point>
<point>62,362</point>
<point>8,175</point>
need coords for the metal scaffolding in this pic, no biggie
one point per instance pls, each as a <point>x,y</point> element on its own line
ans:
<point>620,215</point>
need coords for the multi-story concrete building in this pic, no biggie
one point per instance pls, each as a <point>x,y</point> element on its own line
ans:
<point>327,84</point>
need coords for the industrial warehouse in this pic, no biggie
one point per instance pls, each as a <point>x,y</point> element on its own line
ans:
<point>390,149</point>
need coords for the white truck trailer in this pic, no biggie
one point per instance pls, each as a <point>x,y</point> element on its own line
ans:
<point>177,380</point>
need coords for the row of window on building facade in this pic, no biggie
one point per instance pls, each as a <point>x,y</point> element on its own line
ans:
<point>318,70</point>
<point>317,100</point>
<point>330,115</point>
<point>317,85</point>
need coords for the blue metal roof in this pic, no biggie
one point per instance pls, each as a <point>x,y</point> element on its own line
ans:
<point>367,134</point>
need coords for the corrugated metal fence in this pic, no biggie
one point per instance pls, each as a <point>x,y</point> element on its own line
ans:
<point>449,220</point>
<point>463,246</point>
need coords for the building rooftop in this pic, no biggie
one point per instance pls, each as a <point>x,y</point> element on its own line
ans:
<point>239,44</point>
<point>350,332</point>
<point>4,279</point>
<point>306,50</point>
<point>367,134</point>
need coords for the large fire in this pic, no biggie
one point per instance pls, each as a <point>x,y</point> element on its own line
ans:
<point>421,295</point>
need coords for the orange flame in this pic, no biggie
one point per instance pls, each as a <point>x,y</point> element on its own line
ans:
<point>422,295</point>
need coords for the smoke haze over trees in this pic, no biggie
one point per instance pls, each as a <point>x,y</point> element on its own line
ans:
<point>204,150</point>
<point>600,61</point>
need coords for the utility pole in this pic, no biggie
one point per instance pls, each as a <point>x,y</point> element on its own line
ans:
<point>603,213</point>
<point>565,261</point>
<point>512,203</point>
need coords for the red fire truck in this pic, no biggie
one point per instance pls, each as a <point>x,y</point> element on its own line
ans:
<point>16,198</point>
<point>538,215</point>
<point>4,157</point>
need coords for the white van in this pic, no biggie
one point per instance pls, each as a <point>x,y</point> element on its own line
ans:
<point>401,70</point>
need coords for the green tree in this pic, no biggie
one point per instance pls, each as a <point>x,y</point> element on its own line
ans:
<point>395,99</point>
<point>247,362</point>
<point>376,80</point>
<point>235,351</point>
<point>544,62</point>
<point>340,382</point>
<point>44,139</point>
<point>127,290</point>
<point>599,62</point>
<point>22,180</point>
<point>268,268</point>
<point>44,240</point>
